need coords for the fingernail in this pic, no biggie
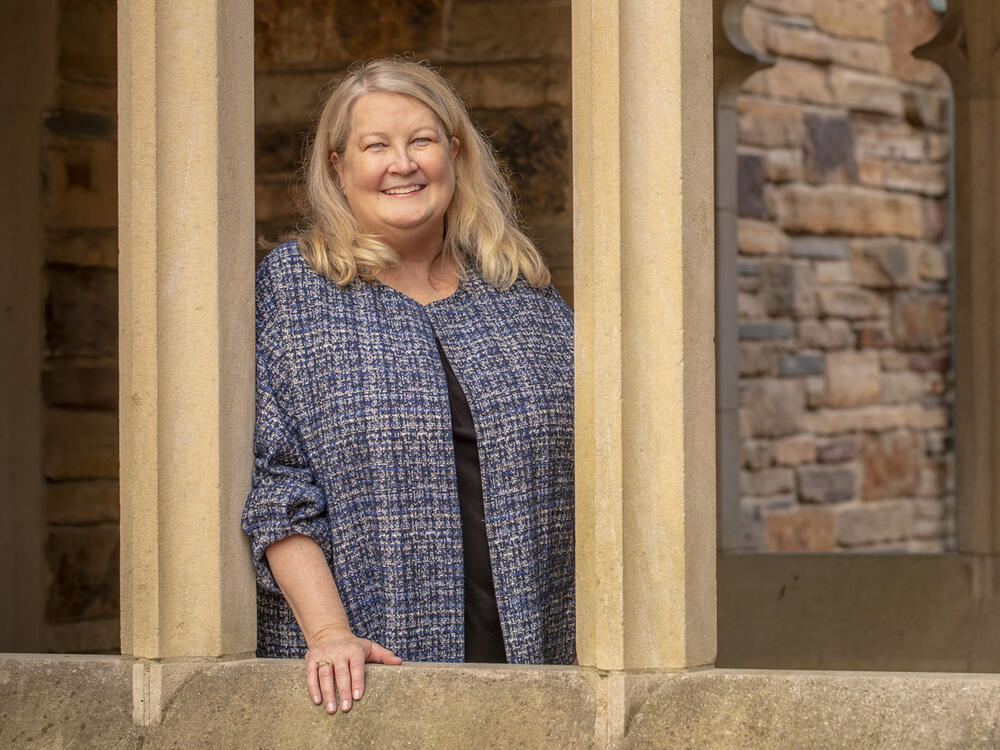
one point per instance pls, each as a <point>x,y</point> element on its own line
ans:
<point>357,695</point>
<point>344,705</point>
<point>317,699</point>
<point>331,707</point>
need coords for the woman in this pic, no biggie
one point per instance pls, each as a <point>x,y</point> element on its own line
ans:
<point>413,484</point>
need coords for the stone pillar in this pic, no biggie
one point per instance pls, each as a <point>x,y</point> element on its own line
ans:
<point>645,379</point>
<point>966,47</point>
<point>186,316</point>
<point>27,62</point>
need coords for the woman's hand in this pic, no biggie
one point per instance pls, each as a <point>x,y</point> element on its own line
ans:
<point>338,655</point>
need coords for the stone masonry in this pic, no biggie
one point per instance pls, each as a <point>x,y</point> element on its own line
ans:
<point>844,272</point>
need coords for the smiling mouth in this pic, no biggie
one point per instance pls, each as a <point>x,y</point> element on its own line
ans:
<point>403,190</point>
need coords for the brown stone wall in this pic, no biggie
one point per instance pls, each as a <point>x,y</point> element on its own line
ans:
<point>845,369</point>
<point>508,59</point>
<point>79,375</point>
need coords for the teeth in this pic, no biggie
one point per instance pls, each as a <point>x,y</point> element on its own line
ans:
<point>402,190</point>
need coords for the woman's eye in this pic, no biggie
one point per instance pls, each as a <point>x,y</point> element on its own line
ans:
<point>422,139</point>
<point>375,146</point>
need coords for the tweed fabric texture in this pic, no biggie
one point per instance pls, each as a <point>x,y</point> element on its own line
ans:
<point>354,448</point>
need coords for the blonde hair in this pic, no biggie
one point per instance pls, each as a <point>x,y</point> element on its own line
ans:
<point>481,223</point>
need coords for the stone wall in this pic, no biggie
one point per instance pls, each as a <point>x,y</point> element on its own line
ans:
<point>79,375</point>
<point>845,368</point>
<point>508,60</point>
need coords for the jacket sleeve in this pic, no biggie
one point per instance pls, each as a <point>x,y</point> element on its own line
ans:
<point>284,498</point>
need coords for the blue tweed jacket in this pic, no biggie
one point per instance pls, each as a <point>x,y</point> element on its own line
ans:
<point>353,448</point>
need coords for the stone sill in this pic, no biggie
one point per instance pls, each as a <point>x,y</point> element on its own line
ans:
<point>80,702</point>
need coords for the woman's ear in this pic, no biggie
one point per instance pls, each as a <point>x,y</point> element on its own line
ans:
<point>454,146</point>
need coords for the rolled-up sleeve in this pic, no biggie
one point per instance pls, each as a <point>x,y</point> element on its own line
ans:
<point>284,499</point>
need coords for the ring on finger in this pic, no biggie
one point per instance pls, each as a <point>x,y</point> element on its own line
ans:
<point>322,663</point>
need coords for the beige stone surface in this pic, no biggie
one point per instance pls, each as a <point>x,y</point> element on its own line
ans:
<point>186,326</point>
<point>853,378</point>
<point>645,291</point>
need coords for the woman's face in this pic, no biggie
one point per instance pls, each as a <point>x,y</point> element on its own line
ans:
<point>397,169</point>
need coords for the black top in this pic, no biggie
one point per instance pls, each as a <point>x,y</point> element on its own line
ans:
<point>483,636</point>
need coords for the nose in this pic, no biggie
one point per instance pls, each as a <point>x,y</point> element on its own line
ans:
<point>401,162</point>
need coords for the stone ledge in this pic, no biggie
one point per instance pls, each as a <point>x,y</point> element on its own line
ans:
<point>81,702</point>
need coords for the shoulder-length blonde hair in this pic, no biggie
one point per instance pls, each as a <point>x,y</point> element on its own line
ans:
<point>481,223</point>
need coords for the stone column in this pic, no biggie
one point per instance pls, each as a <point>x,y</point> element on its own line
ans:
<point>966,47</point>
<point>186,316</point>
<point>645,379</point>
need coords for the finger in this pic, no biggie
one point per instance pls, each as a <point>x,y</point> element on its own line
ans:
<point>357,675</point>
<point>342,669</point>
<point>312,682</point>
<point>382,655</point>
<point>326,684</point>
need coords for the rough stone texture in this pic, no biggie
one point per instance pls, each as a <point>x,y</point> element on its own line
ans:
<point>730,709</point>
<point>852,378</point>
<point>892,463</point>
<point>80,445</point>
<point>788,289</point>
<point>877,522</point>
<point>84,566</point>
<point>62,702</point>
<point>800,530</point>
<point>826,484</point>
<point>774,407</point>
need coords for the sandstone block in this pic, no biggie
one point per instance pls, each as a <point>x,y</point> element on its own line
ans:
<point>861,55</point>
<point>852,378</point>
<point>937,362</point>
<point>935,218</point>
<point>757,358</point>
<point>829,149</point>
<point>830,333</point>
<point>837,451</point>
<point>783,164</point>
<point>483,31</point>
<point>889,141</point>
<point>80,444</point>
<point>274,200</point>
<point>934,478</point>
<point>937,146</point>
<point>920,321</point>
<point>867,419</point>
<point>86,501</point>
<point>303,33</point>
<point>760,238</point>
<point>873,335</point>
<point>934,263</point>
<point>750,179</point>
<point>818,248</point>
<point>754,23</point>
<point>902,387</point>
<point>517,85</point>
<point>769,124</point>
<point>815,392</point>
<point>937,443</point>
<point>790,7</point>
<point>800,530</point>
<point>756,454</point>
<point>82,177</point>
<point>800,365</point>
<point>750,306</point>
<point>848,210</point>
<point>930,518</point>
<point>851,302</point>
<point>83,247</point>
<point>926,179</point>
<point>87,39</point>
<point>893,360</point>
<point>765,482</point>
<point>873,523</point>
<point>863,92</point>
<point>885,264</point>
<point>762,330</point>
<point>81,387</point>
<point>81,311</point>
<point>863,19</point>
<point>788,289</point>
<point>912,22</point>
<point>774,407</point>
<point>891,465</point>
<point>83,563</point>
<point>826,484</point>
<point>832,272</point>
<point>793,80</point>
<point>807,44</point>
<point>795,450</point>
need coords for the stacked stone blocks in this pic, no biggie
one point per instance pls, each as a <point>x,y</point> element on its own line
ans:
<point>845,369</point>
